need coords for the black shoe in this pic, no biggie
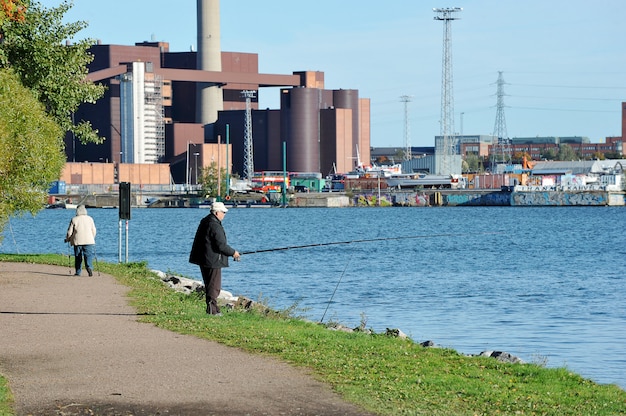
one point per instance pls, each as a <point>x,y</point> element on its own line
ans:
<point>90,272</point>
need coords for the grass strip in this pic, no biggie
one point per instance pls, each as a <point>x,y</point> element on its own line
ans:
<point>385,375</point>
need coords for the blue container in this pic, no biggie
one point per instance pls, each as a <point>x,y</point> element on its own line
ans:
<point>58,188</point>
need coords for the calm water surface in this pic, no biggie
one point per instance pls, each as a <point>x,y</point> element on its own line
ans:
<point>545,284</point>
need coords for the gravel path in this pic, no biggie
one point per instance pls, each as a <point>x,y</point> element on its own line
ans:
<point>72,346</point>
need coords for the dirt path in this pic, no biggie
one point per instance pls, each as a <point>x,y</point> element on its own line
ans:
<point>72,346</point>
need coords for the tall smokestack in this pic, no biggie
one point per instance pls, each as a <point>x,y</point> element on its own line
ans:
<point>209,99</point>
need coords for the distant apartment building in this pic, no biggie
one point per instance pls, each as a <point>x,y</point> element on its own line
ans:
<point>538,147</point>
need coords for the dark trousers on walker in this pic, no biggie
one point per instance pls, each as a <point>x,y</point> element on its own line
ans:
<point>212,285</point>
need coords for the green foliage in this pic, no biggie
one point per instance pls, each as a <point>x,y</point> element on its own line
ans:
<point>387,376</point>
<point>209,180</point>
<point>566,152</point>
<point>55,72</point>
<point>549,154</point>
<point>473,163</point>
<point>31,149</point>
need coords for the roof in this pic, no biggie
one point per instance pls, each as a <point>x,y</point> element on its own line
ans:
<point>576,167</point>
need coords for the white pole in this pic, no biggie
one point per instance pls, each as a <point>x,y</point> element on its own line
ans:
<point>126,241</point>
<point>119,257</point>
<point>187,169</point>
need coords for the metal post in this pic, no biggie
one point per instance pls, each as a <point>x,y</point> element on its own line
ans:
<point>227,162</point>
<point>196,154</point>
<point>284,202</point>
<point>219,167</point>
<point>187,169</point>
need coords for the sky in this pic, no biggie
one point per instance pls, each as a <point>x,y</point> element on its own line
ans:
<point>563,62</point>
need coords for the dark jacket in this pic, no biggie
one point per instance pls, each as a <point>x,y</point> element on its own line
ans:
<point>210,248</point>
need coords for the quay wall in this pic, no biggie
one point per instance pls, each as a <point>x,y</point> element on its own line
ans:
<point>567,198</point>
<point>423,198</point>
<point>445,197</point>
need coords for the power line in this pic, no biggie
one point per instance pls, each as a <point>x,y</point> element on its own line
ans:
<point>568,86</point>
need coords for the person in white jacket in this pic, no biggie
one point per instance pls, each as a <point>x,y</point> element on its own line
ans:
<point>81,234</point>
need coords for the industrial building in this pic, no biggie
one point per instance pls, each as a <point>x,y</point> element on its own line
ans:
<point>164,107</point>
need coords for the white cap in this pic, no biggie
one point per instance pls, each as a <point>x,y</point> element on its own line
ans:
<point>218,207</point>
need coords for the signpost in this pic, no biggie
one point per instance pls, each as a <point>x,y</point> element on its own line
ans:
<point>124,210</point>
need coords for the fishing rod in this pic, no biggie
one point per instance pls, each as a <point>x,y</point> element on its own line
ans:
<point>336,287</point>
<point>366,240</point>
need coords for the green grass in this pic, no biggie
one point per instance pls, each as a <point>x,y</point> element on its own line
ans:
<point>6,399</point>
<point>388,376</point>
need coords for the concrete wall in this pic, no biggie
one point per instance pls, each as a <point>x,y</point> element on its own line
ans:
<point>144,174</point>
<point>88,173</point>
<point>560,198</point>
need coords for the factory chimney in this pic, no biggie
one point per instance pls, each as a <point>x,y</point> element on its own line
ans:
<point>209,99</point>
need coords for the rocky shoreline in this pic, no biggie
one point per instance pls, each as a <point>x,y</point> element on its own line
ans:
<point>191,286</point>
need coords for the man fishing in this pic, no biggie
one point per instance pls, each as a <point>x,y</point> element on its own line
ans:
<point>210,251</point>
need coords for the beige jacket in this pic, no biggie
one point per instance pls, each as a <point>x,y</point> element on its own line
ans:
<point>82,229</point>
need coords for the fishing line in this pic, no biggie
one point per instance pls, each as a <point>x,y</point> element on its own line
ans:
<point>13,236</point>
<point>95,255</point>
<point>334,291</point>
<point>366,241</point>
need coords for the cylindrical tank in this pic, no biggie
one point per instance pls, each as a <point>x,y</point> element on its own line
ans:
<point>209,58</point>
<point>301,129</point>
<point>349,99</point>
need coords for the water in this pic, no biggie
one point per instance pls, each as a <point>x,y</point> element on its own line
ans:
<point>546,284</point>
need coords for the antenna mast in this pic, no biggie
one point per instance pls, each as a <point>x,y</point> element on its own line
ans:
<point>407,137</point>
<point>502,149</point>
<point>448,145</point>
<point>248,156</point>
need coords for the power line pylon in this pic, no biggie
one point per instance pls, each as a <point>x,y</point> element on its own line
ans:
<point>407,136</point>
<point>248,156</point>
<point>501,152</point>
<point>448,137</point>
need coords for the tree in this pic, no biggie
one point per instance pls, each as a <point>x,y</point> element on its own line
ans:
<point>549,154</point>
<point>12,10</point>
<point>31,149</point>
<point>56,73</point>
<point>613,155</point>
<point>566,152</point>
<point>210,177</point>
<point>518,157</point>
<point>473,163</point>
<point>598,155</point>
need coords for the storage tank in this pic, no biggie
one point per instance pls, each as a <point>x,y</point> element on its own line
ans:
<point>300,128</point>
<point>349,99</point>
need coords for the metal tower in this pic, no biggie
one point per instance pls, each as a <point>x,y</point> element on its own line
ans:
<point>407,137</point>
<point>501,152</point>
<point>448,146</point>
<point>248,157</point>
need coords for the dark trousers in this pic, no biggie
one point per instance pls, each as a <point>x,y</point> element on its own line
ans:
<point>212,286</point>
<point>88,252</point>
